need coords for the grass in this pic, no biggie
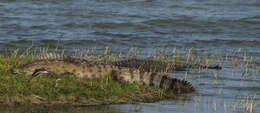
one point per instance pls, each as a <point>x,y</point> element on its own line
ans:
<point>49,90</point>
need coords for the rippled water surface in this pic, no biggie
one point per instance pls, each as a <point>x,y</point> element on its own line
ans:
<point>208,26</point>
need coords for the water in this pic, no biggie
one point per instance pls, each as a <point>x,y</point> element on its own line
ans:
<point>208,26</point>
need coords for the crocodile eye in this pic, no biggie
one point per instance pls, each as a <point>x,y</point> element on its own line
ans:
<point>40,71</point>
<point>15,71</point>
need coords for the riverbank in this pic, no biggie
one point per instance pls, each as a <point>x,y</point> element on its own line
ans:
<point>57,90</point>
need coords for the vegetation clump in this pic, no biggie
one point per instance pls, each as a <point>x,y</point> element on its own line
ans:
<point>49,90</point>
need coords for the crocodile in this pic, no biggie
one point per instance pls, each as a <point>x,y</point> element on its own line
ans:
<point>77,67</point>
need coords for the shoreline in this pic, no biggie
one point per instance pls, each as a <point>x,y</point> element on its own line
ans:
<point>144,97</point>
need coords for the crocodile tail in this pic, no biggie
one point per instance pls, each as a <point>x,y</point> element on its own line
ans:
<point>130,75</point>
<point>158,66</point>
<point>143,65</point>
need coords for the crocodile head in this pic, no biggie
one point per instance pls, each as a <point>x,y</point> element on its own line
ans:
<point>33,69</point>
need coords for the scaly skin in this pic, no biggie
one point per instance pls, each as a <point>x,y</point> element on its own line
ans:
<point>59,64</point>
